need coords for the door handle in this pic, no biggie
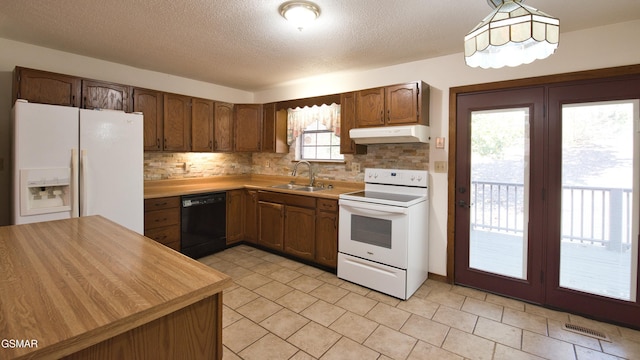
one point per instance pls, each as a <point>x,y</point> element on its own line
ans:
<point>463,204</point>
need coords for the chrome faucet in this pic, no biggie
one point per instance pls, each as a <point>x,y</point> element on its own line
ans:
<point>295,171</point>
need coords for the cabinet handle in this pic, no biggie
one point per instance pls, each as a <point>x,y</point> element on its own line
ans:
<point>382,116</point>
<point>161,220</point>
<point>335,223</point>
<point>388,115</point>
<point>161,204</point>
<point>158,143</point>
<point>210,144</point>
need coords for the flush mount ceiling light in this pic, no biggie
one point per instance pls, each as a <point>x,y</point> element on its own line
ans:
<point>299,13</point>
<point>513,34</point>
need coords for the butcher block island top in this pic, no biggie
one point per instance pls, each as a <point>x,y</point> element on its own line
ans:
<point>87,287</point>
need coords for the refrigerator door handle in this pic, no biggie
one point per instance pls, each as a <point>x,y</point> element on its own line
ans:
<point>74,183</point>
<point>84,201</point>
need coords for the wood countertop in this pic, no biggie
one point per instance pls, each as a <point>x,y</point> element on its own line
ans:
<point>70,284</point>
<point>165,188</point>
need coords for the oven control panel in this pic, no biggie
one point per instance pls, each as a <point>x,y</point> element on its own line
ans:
<point>419,178</point>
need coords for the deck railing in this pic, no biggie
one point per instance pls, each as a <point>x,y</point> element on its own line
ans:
<point>592,215</point>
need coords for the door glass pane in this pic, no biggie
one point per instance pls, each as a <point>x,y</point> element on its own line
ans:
<point>599,198</point>
<point>499,191</point>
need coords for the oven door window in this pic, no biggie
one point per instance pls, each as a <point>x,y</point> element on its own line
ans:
<point>372,231</point>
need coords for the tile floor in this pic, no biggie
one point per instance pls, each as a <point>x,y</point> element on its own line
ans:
<point>281,309</point>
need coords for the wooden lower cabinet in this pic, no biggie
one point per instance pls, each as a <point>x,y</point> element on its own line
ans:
<point>327,233</point>
<point>235,210</point>
<point>301,226</point>
<point>193,332</point>
<point>162,221</point>
<point>300,232</point>
<point>271,225</point>
<point>251,216</point>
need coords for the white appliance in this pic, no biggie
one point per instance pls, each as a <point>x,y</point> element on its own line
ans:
<point>383,233</point>
<point>70,162</point>
<point>390,134</point>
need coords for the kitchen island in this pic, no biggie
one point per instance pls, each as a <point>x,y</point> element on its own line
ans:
<point>89,288</point>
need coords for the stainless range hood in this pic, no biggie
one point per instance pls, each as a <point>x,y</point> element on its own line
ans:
<point>391,134</point>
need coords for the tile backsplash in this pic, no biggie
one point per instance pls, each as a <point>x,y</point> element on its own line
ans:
<point>163,165</point>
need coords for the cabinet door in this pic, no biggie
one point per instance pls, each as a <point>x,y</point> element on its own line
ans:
<point>327,238</point>
<point>274,130</point>
<point>201,125</point>
<point>223,127</point>
<point>251,216</point>
<point>269,128</point>
<point>105,95</point>
<point>149,103</point>
<point>235,203</point>
<point>300,232</point>
<point>370,107</point>
<point>177,122</point>
<point>248,127</point>
<point>45,87</point>
<point>271,228</point>
<point>348,122</point>
<point>401,103</point>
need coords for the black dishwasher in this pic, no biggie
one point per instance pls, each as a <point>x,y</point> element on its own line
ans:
<point>204,224</point>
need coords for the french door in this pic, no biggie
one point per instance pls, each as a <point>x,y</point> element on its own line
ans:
<point>499,185</point>
<point>547,184</point>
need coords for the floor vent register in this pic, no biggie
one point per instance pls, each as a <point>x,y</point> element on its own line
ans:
<point>586,331</point>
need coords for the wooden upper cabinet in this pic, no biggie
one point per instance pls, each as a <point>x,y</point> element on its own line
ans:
<point>348,122</point>
<point>370,107</point>
<point>46,88</point>
<point>201,125</point>
<point>177,122</point>
<point>274,129</point>
<point>223,127</point>
<point>150,104</point>
<point>105,95</point>
<point>402,104</point>
<point>248,127</point>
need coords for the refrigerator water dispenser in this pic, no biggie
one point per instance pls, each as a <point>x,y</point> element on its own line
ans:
<point>44,191</point>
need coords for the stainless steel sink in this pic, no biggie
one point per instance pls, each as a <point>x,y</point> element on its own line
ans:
<point>285,186</point>
<point>308,188</point>
<point>296,187</point>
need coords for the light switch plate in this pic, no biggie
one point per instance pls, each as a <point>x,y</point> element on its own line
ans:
<point>440,166</point>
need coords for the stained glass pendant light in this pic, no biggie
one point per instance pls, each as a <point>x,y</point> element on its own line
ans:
<point>513,34</point>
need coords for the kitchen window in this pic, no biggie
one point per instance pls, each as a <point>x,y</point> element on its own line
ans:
<point>319,143</point>
<point>315,130</point>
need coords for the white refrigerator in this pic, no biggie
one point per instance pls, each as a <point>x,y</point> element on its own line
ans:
<point>70,162</point>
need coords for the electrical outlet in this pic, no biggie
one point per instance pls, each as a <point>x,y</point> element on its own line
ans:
<point>440,166</point>
<point>268,163</point>
<point>355,168</point>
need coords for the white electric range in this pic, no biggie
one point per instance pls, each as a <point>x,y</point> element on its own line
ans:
<point>383,235</point>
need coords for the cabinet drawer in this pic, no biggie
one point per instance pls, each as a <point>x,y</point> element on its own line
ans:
<point>159,218</point>
<point>164,235</point>
<point>327,205</point>
<point>162,203</point>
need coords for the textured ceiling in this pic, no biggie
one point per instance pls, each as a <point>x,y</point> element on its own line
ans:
<point>246,44</point>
